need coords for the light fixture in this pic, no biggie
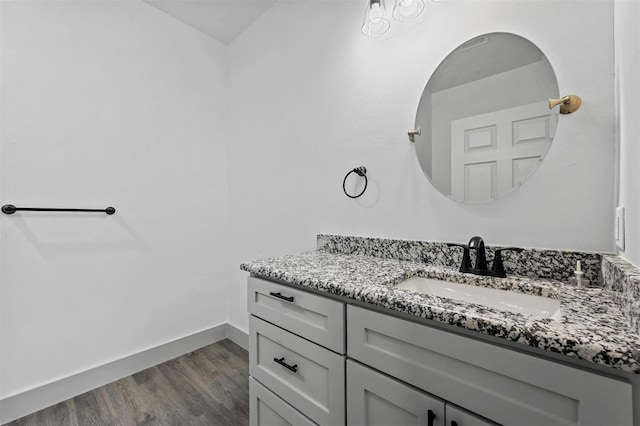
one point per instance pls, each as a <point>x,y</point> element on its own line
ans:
<point>406,10</point>
<point>375,22</point>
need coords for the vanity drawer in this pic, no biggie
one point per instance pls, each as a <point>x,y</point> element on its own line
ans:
<point>305,375</point>
<point>504,385</point>
<point>313,317</point>
<point>267,409</point>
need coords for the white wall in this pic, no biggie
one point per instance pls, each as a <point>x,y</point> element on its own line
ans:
<point>311,98</point>
<point>627,66</point>
<point>108,103</point>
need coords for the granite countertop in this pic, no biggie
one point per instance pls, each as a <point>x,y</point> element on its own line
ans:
<point>592,328</point>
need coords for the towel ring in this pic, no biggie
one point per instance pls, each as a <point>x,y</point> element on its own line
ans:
<point>360,171</point>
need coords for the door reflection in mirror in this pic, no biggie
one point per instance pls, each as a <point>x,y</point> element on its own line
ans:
<point>485,120</point>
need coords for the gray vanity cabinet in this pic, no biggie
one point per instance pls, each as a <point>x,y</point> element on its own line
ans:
<point>309,354</point>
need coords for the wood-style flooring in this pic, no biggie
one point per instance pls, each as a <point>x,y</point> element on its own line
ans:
<point>207,387</point>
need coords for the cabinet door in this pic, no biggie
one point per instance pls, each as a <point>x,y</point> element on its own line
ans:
<point>456,416</point>
<point>375,399</point>
<point>266,409</point>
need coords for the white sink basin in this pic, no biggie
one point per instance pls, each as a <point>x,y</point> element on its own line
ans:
<point>525,304</point>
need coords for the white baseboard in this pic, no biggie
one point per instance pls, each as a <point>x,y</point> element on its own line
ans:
<point>19,405</point>
<point>237,336</point>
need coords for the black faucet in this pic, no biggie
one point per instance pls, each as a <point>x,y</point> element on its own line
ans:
<point>480,267</point>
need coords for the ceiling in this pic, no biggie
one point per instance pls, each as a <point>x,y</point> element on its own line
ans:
<point>220,19</point>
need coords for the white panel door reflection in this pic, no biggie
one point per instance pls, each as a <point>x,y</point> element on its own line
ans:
<point>494,153</point>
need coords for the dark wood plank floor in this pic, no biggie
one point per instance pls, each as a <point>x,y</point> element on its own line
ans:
<point>207,387</point>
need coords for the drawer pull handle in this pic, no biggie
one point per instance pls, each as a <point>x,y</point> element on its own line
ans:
<point>280,361</point>
<point>280,296</point>
<point>431,416</point>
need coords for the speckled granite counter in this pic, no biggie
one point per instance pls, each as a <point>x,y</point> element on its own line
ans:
<point>592,328</point>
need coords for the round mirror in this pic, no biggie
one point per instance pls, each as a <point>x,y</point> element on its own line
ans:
<point>484,118</point>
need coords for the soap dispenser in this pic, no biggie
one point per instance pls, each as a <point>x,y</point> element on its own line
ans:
<point>578,278</point>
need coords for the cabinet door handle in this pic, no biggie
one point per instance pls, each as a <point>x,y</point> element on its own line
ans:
<point>280,361</point>
<point>454,423</point>
<point>280,296</point>
<point>431,416</point>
